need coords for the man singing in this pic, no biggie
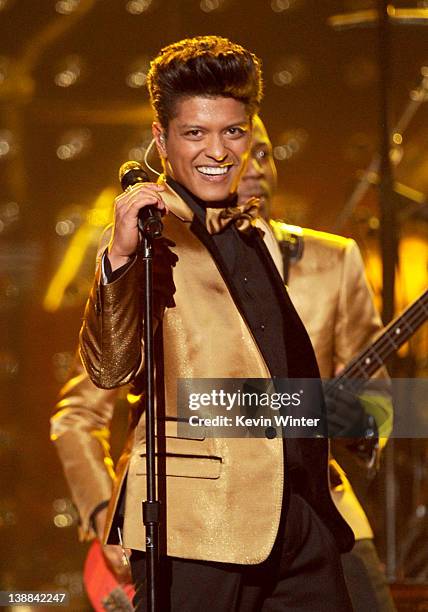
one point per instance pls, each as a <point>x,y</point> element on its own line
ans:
<point>250,524</point>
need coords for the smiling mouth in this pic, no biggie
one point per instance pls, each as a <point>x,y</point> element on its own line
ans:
<point>214,170</point>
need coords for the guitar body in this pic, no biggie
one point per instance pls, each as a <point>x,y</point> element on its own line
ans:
<point>102,587</point>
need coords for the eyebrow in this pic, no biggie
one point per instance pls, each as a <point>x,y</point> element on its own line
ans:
<point>201,127</point>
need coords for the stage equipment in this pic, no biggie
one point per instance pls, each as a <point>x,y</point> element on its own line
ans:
<point>370,176</point>
<point>149,218</point>
<point>150,226</point>
<point>383,18</point>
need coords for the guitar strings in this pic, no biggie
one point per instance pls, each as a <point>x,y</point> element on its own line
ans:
<point>415,316</point>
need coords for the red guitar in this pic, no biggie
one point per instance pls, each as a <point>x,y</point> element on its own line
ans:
<point>103,589</point>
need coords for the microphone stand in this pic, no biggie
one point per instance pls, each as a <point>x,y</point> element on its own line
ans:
<point>151,507</point>
<point>150,227</point>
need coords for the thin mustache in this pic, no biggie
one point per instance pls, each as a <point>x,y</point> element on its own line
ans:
<point>225,165</point>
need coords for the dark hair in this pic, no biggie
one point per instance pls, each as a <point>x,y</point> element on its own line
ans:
<point>203,66</point>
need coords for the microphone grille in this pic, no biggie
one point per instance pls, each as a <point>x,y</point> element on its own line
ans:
<point>129,165</point>
<point>132,172</point>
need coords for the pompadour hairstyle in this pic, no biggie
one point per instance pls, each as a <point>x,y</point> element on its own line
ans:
<point>203,66</point>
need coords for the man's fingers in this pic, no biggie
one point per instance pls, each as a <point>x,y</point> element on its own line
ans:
<point>118,562</point>
<point>140,188</point>
<point>133,204</point>
<point>125,238</point>
<point>137,204</point>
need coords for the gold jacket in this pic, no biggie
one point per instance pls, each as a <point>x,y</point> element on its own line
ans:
<point>231,513</point>
<point>222,497</point>
<point>340,322</point>
<point>330,292</point>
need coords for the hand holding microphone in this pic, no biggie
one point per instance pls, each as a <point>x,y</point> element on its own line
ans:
<point>132,174</point>
<point>137,209</point>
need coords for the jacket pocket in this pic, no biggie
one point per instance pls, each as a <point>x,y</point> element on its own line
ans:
<point>184,466</point>
<point>171,428</point>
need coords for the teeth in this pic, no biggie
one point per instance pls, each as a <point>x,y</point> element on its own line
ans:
<point>213,170</point>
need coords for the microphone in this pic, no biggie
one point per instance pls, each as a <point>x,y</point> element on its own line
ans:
<point>149,217</point>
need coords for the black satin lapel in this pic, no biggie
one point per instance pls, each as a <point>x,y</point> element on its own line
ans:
<point>200,231</point>
<point>301,358</point>
<point>300,353</point>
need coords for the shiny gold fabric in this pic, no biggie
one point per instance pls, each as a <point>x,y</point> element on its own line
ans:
<point>80,430</point>
<point>204,336</point>
<point>329,289</point>
<point>242,215</point>
<point>81,421</point>
<point>195,334</point>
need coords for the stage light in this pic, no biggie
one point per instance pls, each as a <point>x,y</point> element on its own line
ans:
<point>7,518</point>
<point>65,514</point>
<point>280,152</point>
<point>69,219</point>
<point>63,520</point>
<point>290,71</point>
<point>65,227</point>
<point>208,6</point>
<point>293,143</point>
<point>137,7</point>
<point>62,360</point>
<point>61,364</point>
<point>421,510</point>
<point>282,77</point>
<point>421,93</point>
<point>5,4</point>
<point>136,79</point>
<point>7,144</point>
<point>70,582</point>
<point>60,504</point>
<point>74,143</point>
<point>69,71</point>
<point>66,7</point>
<point>9,215</point>
<point>396,153</point>
<point>9,365</point>
<point>138,72</point>
<point>138,151</point>
<point>373,223</point>
<point>85,236</point>
<point>4,68</point>
<point>279,6</point>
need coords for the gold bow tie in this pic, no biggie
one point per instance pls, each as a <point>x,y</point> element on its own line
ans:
<point>242,215</point>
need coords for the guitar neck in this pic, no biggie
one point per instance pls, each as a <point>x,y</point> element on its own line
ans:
<point>366,363</point>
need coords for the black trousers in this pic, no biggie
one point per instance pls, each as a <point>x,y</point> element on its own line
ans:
<point>365,580</point>
<point>303,573</point>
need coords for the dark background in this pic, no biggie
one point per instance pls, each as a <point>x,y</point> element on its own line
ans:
<point>69,118</point>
